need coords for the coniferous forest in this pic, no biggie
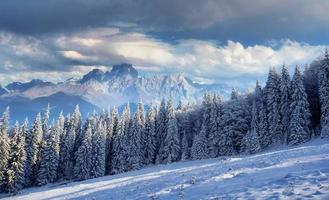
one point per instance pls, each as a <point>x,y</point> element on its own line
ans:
<point>288,110</point>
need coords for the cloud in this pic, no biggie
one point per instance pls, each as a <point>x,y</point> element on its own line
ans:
<point>220,19</point>
<point>63,55</point>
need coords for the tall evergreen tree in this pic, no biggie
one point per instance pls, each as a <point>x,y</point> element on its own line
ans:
<point>136,143</point>
<point>49,157</point>
<point>84,155</point>
<point>199,148</point>
<point>4,144</point>
<point>161,129</point>
<point>324,96</point>
<point>37,135</point>
<point>299,128</point>
<point>171,149</point>
<point>251,142</point>
<point>112,125</point>
<point>215,129</point>
<point>185,148</point>
<point>14,175</point>
<point>273,106</point>
<point>98,151</point>
<point>119,150</point>
<point>150,134</point>
<point>285,103</point>
<point>67,151</point>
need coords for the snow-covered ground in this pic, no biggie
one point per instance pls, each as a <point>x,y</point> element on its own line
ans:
<point>295,173</point>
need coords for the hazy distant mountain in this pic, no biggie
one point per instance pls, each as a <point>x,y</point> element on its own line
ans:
<point>101,89</point>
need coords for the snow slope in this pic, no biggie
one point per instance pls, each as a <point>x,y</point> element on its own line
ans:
<point>297,172</point>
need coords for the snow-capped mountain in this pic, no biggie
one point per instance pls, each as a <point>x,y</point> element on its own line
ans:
<point>105,89</point>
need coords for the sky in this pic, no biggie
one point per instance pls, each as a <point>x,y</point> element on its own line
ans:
<point>210,41</point>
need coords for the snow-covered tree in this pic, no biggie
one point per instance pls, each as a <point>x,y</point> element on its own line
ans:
<point>14,175</point>
<point>285,103</point>
<point>136,143</point>
<point>150,134</point>
<point>35,151</point>
<point>214,126</point>
<point>171,148</point>
<point>76,125</point>
<point>324,96</point>
<point>67,151</point>
<point>299,129</point>
<point>185,148</point>
<point>28,151</point>
<point>112,125</point>
<point>251,142</point>
<point>161,129</point>
<point>84,155</point>
<point>273,106</point>
<point>49,157</point>
<point>199,148</point>
<point>98,151</point>
<point>4,144</point>
<point>119,150</point>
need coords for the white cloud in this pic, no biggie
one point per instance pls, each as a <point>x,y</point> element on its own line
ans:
<point>200,60</point>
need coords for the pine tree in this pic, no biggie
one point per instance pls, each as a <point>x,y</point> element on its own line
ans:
<point>185,148</point>
<point>49,157</point>
<point>4,144</point>
<point>67,151</point>
<point>28,151</point>
<point>76,125</point>
<point>251,142</point>
<point>199,148</point>
<point>215,129</point>
<point>150,133</point>
<point>98,151</point>
<point>84,155</point>
<point>171,148</point>
<point>285,103</point>
<point>161,130</point>
<point>119,150</point>
<point>14,175</point>
<point>135,141</point>
<point>273,107</point>
<point>324,96</point>
<point>111,130</point>
<point>299,128</point>
<point>37,135</point>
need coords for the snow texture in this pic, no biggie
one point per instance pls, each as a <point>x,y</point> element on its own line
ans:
<point>300,172</point>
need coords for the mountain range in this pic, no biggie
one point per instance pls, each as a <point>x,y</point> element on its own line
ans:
<point>98,90</point>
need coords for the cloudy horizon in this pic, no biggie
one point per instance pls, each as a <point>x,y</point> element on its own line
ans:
<point>209,41</point>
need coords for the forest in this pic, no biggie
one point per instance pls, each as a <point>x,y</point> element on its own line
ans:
<point>286,111</point>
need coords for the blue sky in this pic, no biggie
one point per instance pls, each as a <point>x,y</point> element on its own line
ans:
<point>228,41</point>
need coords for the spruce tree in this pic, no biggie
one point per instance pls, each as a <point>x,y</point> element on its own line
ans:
<point>324,95</point>
<point>199,148</point>
<point>98,151</point>
<point>273,107</point>
<point>171,148</point>
<point>135,141</point>
<point>119,150</point>
<point>67,151</point>
<point>14,175</point>
<point>37,135</point>
<point>251,142</point>
<point>285,103</point>
<point>161,130</point>
<point>4,144</point>
<point>49,157</point>
<point>84,155</point>
<point>299,128</point>
<point>150,134</point>
<point>112,125</point>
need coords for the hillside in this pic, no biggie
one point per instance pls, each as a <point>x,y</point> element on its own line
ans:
<point>295,172</point>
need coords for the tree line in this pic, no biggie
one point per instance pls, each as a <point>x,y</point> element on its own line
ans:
<point>286,111</point>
